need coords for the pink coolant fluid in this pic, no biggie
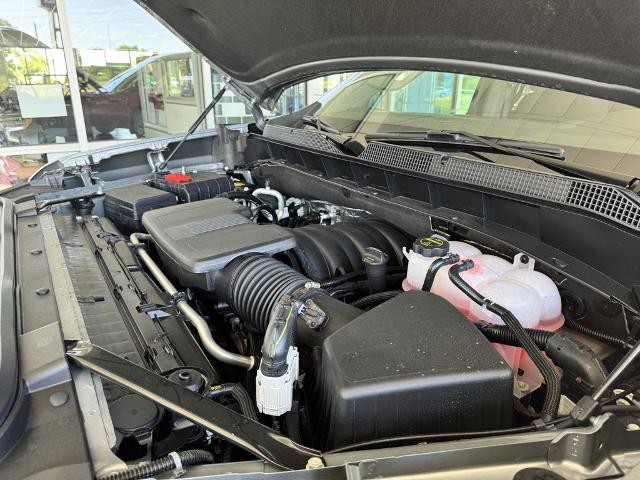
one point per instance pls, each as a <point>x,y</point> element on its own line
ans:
<point>531,296</point>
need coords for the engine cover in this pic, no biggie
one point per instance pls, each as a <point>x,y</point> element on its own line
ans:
<point>197,239</point>
<point>412,365</point>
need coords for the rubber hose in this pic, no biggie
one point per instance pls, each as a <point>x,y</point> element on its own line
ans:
<point>375,298</point>
<point>267,208</point>
<point>255,200</point>
<point>243,196</point>
<point>239,394</point>
<point>564,350</point>
<point>155,467</point>
<point>504,335</point>
<point>604,337</point>
<point>552,397</point>
<point>347,277</point>
<point>252,284</point>
<point>437,264</point>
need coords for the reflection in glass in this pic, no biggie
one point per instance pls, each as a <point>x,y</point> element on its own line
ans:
<point>35,106</point>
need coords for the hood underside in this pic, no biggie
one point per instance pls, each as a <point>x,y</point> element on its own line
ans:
<point>588,46</point>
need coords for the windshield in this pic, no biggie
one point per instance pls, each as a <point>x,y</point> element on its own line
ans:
<point>594,132</point>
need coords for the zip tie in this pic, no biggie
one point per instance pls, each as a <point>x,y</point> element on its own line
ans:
<point>177,461</point>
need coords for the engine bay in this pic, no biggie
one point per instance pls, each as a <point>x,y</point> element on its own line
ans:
<point>320,327</point>
<point>324,323</point>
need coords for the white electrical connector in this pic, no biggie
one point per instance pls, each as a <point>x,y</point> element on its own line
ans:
<point>274,395</point>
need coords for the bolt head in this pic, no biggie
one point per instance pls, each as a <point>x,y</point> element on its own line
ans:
<point>57,399</point>
<point>314,462</point>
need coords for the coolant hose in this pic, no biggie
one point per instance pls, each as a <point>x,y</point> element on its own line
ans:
<point>187,310</point>
<point>164,464</point>
<point>565,351</point>
<point>551,379</point>
<point>437,264</point>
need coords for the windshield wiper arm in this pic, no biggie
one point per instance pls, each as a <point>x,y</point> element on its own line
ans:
<point>466,140</point>
<point>319,124</point>
<point>345,141</point>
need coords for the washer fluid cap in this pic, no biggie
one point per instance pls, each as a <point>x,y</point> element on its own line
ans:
<point>177,178</point>
<point>433,246</point>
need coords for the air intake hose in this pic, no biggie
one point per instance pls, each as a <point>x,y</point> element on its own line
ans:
<point>274,299</point>
<point>253,284</point>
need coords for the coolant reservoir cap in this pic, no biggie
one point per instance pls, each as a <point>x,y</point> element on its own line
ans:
<point>432,246</point>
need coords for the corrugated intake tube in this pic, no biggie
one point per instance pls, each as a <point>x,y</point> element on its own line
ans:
<point>252,284</point>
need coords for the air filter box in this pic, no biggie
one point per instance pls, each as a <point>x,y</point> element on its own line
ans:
<point>195,240</point>
<point>412,365</point>
<point>193,186</point>
<point>125,206</point>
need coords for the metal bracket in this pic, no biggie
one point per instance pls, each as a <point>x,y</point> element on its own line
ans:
<point>252,436</point>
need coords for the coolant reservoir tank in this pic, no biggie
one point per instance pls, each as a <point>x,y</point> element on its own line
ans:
<point>531,296</point>
<point>427,249</point>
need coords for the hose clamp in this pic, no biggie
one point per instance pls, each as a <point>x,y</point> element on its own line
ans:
<point>178,297</point>
<point>177,461</point>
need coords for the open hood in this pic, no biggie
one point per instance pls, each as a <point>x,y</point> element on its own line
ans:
<point>587,46</point>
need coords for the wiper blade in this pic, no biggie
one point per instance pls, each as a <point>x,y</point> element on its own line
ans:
<point>462,138</point>
<point>465,140</point>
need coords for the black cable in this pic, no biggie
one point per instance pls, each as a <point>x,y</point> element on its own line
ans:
<point>260,205</point>
<point>567,352</point>
<point>622,394</point>
<point>243,196</point>
<point>239,394</point>
<point>347,277</point>
<point>375,298</point>
<point>604,337</point>
<point>552,397</point>
<point>620,409</point>
<point>155,467</point>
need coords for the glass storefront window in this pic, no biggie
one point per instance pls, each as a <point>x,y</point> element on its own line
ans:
<point>139,80</point>
<point>180,78</point>
<point>230,109</point>
<point>302,94</point>
<point>153,97</point>
<point>35,105</point>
